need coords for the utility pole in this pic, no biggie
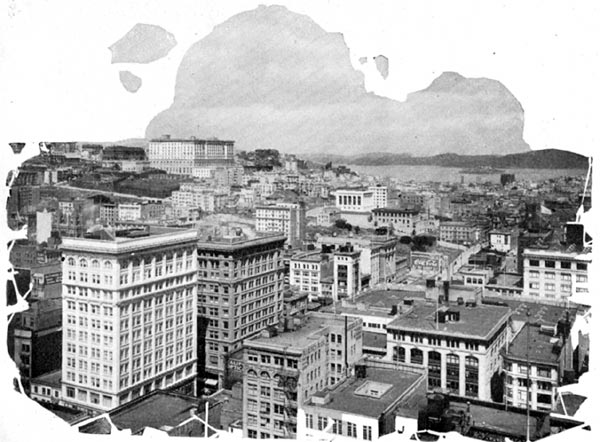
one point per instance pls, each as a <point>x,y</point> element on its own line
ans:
<point>528,376</point>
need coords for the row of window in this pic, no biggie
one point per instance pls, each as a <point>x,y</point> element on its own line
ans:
<point>551,264</point>
<point>338,426</point>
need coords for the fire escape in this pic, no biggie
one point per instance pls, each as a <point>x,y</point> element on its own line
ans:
<point>288,382</point>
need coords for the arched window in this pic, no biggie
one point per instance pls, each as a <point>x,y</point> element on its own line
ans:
<point>95,263</point>
<point>399,354</point>
<point>265,375</point>
<point>107,265</point>
<point>71,261</point>
<point>471,361</point>
<point>416,356</point>
<point>83,262</point>
<point>252,372</point>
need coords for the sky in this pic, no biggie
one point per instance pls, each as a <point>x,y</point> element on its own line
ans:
<point>58,82</point>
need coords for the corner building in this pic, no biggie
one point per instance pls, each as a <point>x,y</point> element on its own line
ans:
<point>240,293</point>
<point>282,369</point>
<point>129,307</point>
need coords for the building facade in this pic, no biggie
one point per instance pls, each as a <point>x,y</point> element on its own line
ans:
<point>240,293</point>
<point>283,368</point>
<point>286,218</point>
<point>129,316</point>
<point>380,195</point>
<point>185,156</point>
<point>458,232</point>
<point>461,354</point>
<point>404,221</point>
<point>355,200</point>
<point>555,275</point>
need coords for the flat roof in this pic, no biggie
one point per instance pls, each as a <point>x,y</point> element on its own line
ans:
<point>582,254</point>
<point>51,379</point>
<point>374,340</point>
<point>109,243</point>
<point>297,339</point>
<point>191,140</point>
<point>312,256</point>
<point>238,242</point>
<point>156,410</point>
<point>541,346</point>
<point>478,322</point>
<point>344,396</point>
<point>392,210</point>
<point>508,280</point>
<point>543,313</point>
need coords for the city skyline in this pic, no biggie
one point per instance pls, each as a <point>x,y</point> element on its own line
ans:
<point>443,275</point>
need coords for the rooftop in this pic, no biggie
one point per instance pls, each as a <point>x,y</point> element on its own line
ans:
<point>508,280</point>
<point>158,410</point>
<point>540,313</point>
<point>391,385</point>
<point>190,140</point>
<point>312,256</point>
<point>543,349</point>
<point>51,379</point>
<point>229,243</point>
<point>105,241</point>
<point>412,210</point>
<point>480,321</point>
<point>310,330</point>
<point>584,254</point>
<point>374,340</point>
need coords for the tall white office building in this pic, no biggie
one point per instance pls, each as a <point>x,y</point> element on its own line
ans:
<point>129,315</point>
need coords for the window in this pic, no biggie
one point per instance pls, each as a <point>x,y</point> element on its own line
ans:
<point>581,266</point>
<point>399,354</point>
<point>351,429</point>
<point>549,264</point>
<point>367,432</point>
<point>309,421</point>
<point>416,356</point>
<point>534,263</point>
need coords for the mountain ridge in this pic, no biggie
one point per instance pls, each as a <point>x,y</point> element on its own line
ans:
<point>535,159</point>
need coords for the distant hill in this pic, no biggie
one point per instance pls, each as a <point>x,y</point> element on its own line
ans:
<point>271,78</point>
<point>537,159</point>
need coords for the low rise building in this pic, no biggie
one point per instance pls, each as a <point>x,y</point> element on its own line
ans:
<point>355,200</point>
<point>545,352</point>
<point>459,344</point>
<point>366,406</point>
<point>504,240</point>
<point>403,221</point>
<point>459,232</point>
